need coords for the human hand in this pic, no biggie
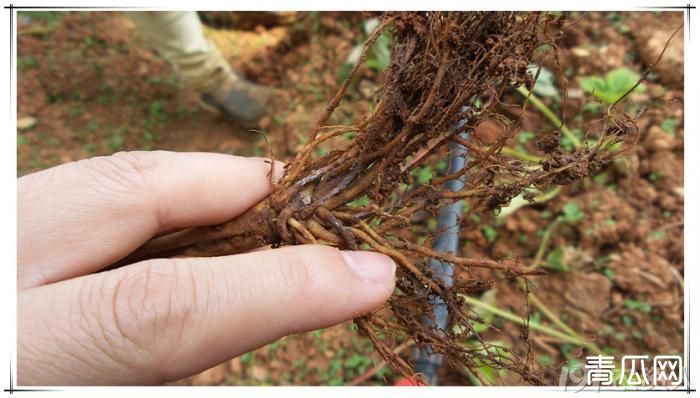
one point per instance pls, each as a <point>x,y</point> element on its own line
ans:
<point>161,320</point>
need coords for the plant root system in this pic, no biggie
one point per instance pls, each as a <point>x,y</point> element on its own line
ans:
<point>445,68</point>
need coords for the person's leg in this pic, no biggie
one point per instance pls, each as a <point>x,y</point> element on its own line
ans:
<point>179,38</point>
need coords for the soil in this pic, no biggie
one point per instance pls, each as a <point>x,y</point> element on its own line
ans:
<point>89,86</point>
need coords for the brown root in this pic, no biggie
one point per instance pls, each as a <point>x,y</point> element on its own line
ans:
<point>445,67</point>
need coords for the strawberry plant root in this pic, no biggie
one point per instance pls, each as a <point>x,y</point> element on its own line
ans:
<point>445,68</point>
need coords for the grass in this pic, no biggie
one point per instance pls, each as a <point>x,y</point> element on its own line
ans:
<point>489,233</point>
<point>509,316</point>
<point>169,80</point>
<point>90,149</point>
<point>543,243</point>
<point>22,140</point>
<point>156,111</point>
<point>520,153</point>
<point>654,176</point>
<point>273,347</point>
<point>26,62</point>
<point>617,19</point>
<point>571,213</point>
<point>344,364</point>
<point>669,125</point>
<point>48,18</point>
<point>92,126</point>
<point>115,142</point>
<point>637,305</point>
<point>76,110</point>
<point>486,308</point>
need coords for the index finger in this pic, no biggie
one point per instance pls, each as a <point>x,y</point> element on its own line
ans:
<point>80,217</point>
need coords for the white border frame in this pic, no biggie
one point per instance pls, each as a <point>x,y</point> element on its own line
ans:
<point>8,197</point>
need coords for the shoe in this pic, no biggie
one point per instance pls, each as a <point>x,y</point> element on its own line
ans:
<point>243,101</point>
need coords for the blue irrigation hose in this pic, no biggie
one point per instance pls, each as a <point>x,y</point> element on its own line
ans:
<point>427,362</point>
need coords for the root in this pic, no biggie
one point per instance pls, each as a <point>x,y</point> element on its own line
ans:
<point>445,68</point>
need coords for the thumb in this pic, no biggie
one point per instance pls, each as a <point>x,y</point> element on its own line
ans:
<point>163,320</point>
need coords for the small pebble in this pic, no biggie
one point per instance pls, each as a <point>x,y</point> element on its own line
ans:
<point>25,123</point>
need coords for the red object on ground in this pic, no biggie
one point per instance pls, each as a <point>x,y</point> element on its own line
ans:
<point>408,382</point>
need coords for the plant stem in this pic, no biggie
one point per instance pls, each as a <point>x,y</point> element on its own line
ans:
<point>520,154</point>
<point>552,317</point>
<point>534,325</point>
<point>519,201</point>
<point>549,114</point>
<point>549,195</point>
<point>543,243</point>
<point>536,301</point>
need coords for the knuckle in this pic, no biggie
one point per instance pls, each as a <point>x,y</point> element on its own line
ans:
<point>150,307</point>
<point>123,173</point>
<point>91,331</point>
<point>127,177</point>
<point>130,169</point>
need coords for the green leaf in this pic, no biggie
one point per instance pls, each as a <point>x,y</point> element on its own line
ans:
<point>490,233</point>
<point>567,143</point>
<point>525,136</point>
<point>616,84</point>
<point>601,178</point>
<point>658,234</point>
<point>627,320</point>
<point>26,62</point>
<point>487,373</point>
<point>536,317</point>
<point>22,140</point>
<point>343,72</point>
<point>593,84</point>
<point>555,260</point>
<point>115,142</point>
<point>638,305</point>
<point>545,360</point>
<point>354,55</point>
<point>441,166</point>
<point>360,202</point>
<point>621,79</point>
<point>669,125</point>
<point>544,86</point>
<point>592,107</point>
<point>609,273</point>
<point>424,175</point>
<point>247,358</point>
<point>90,148</point>
<point>654,176</point>
<point>379,56</point>
<point>572,213</point>
<point>370,25</point>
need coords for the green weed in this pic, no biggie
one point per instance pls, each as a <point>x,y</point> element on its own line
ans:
<point>613,86</point>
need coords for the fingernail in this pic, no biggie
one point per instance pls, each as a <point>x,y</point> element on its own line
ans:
<point>371,267</point>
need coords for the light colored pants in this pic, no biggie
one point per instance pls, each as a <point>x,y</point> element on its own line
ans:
<point>179,38</point>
